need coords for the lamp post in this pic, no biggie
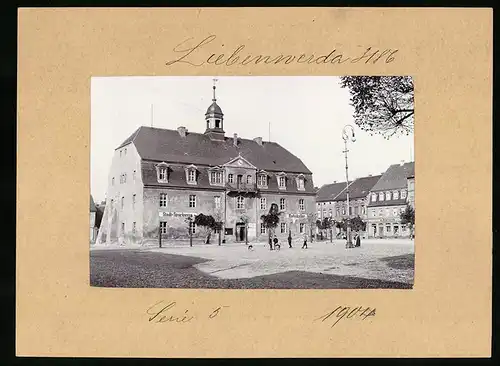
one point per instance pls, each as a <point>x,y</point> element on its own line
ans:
<point>348,135</point>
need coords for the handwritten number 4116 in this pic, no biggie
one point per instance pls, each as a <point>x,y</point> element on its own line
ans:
<point>347,312</point>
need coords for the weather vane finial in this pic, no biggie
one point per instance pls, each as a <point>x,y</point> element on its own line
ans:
<point>215,80</point>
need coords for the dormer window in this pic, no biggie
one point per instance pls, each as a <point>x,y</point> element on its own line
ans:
<point>262,179</point>
<point>374,197</point>
<point>301,182</point>
<point>281,181</point>
<point>403,194</point>
<point>381,196</point>
<point>191,174</point>
<point>162,172</point>
<point>387,196</point>
<point>216,177</point>
<point>395,195</point>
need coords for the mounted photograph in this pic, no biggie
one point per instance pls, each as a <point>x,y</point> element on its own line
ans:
<point>252,182</point>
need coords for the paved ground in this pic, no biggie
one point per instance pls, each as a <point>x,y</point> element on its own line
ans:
<point>236,261</point>
<point>139,268</point>
<point>376,264</point>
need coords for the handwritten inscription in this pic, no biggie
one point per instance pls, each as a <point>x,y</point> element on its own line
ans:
<point>347,313</point>
<point>162,312</point>
<point>190,52</point>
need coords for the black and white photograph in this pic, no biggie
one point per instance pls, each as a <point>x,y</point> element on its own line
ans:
<point>252,182</point>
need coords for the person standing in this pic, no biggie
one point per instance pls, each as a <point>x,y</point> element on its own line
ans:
<point>290,239</point>
<point>270,243</point>
<point>358,240</point>
<point>304,246</point>
<point>275,241</point>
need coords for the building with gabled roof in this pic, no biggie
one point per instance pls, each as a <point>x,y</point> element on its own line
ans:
<point>332,200</point>
<point>160,177</point>
<point>388,198</point>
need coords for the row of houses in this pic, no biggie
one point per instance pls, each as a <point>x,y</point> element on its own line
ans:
<point>378,200</point>
<point>160,179</point>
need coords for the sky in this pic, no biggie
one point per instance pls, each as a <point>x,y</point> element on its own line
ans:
<point>305,115</point>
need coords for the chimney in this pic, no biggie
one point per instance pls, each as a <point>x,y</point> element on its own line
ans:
<point>334,181</point>
<point>182,131</point>
<point>235,139</point>
<point>258,140</point>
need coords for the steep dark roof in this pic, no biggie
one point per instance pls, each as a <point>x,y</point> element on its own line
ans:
<point>329,191</point>
<point>159,144</point>
<point>177,178</point>
<point>92,205</point>
<point>214,109</point>
<point>395,177</point>
<point>360,188</point>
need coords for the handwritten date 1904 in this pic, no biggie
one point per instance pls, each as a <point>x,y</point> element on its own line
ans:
<point>347,312</point>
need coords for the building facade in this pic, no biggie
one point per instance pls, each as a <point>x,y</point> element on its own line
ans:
<point>388,198</point>
<point>160,179</point>
<point>332,200</point>
<point>93,211</point>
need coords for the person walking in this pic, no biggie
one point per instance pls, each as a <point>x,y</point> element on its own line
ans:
<point>270,243</point>
<point>304,246</point>
<point>290,239</point>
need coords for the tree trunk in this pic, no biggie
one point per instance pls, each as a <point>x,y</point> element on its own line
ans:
<point>208,238</point>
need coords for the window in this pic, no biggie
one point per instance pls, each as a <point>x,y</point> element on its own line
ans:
<point>282,182</point>
<point>319,213</point>
<point>262,228</point>
<point>356,208</point>
<point>133,201</point>
<point>249,179</point>
<point>163,227</point>
<point>381,196</point>
<point>161,172</point>
<point>123,201</point>
<point>163,200</point>
<point>324,213</point>
<point>134,227</point>
<point>374,197</point>
<point>395,195</point>
<point>113,181</point>
<point>302,206</point>
<point>403,195</point>
<point>380,212</point>
<point>133,175</point>
<point>230,178</point>
<point>283,227</point>
<point>262,180</point>
<point>192,200</point>
<point>239,179</point>
<point>343,210</point>
<point>191,176</point>
<point>330,213</point>
<point>388,228</point>
<point>302,227</point>
<point>263,204</point>
<point>337,212</point>
<point>123,227</point>
<point>350,210</point>
<point>395,212</point>
<point>192,227</point>
<point>217,123</point>
<point>216,177</point>
<point>125,151</point>
<point>363,210</point>
<point>217,201</point>
<point>282,204</point>
<point>240,202</point>
<point>396,229</point>
<point>300,183</point>
<point>387,196</point>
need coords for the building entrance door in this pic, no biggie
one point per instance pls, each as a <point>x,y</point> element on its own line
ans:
<point>240,232</point>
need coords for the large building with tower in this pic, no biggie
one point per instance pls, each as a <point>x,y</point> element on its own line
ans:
<point>159,178</point>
